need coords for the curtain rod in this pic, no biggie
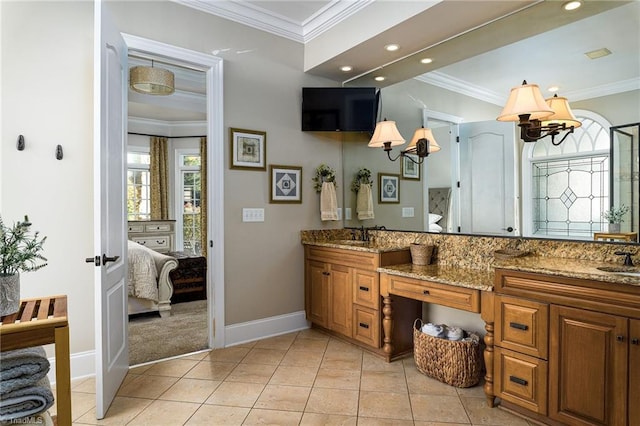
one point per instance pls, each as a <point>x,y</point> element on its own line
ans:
<point>163,136</point>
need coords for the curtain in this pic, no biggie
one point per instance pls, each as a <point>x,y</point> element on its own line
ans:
<point>203,195</point>
<point>159,179</point>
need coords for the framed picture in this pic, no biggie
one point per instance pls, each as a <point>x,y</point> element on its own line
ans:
<point>389,185</point>
<point>285,184</point>
<point>410,170</point>
<point>248,149</point>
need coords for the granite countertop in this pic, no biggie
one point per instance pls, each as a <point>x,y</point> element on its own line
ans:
<point>476,279</point>
<point>357,245</point>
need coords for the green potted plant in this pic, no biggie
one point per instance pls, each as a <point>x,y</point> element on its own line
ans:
<point>324,173</point>
<point>615,217</point>
<point>20,251</point>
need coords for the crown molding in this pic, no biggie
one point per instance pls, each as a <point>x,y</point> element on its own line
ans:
<point>604,90</point>
<point>262,19</point>
<point>166,128</point>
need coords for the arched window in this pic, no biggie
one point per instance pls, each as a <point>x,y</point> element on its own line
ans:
<point>566,187</point>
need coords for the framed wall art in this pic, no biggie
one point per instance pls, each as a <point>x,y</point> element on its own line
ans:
<point>248,149</point>
<point>389,185</point>
<point>409,169</point>
<point>285,184</point>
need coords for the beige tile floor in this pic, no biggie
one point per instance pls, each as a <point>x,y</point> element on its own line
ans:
<point>303,378</point>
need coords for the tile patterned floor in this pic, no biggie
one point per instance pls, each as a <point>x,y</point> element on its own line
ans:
<point>304,378</point>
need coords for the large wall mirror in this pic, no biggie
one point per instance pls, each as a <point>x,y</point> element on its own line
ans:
<point>508,187</point>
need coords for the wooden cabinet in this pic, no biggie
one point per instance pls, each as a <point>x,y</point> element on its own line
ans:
<point>567,349</point>
<point>342,294</point>
<point>158,235</point>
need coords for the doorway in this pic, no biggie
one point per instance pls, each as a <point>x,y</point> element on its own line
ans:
<point>211,68</point>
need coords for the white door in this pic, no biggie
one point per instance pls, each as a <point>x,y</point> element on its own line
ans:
<point>488,179</point>
<point>112,351</point>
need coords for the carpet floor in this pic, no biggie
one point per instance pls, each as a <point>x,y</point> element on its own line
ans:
<point>152,338</point>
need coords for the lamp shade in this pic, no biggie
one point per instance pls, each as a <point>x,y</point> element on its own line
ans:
<point>525,99</point>
<point>151,80</point>
<point>561,113</point>
<point>424,133</point>
<point>386,131</point>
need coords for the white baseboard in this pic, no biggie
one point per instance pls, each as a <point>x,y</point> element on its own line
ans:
<point>267,327</point>
<point>83,364</point>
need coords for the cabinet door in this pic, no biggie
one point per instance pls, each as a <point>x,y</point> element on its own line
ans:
<point>318,303</point>
<point>340,300</point>
<point>587,367</point>
<point>634,372</point>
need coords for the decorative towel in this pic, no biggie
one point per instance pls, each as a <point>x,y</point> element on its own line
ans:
<point>21,368</point>
<point>364,202</point>
<point>435,330</point>
<point>26,401</point>
<point>472,337</point>
<point>328,202</point>
<point>455,333</point>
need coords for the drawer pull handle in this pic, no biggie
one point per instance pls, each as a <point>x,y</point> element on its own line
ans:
<point>518,326</point>
<point>635,341</point>
<point>620,338</point>
<point>518,380</point>
<point>326,273</point>
<point>425,292</point>
<point>363,325</point>
<point>159,241</point>
<point>363,288</point>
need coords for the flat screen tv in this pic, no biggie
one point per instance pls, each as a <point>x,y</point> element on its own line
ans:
<point>341,109</point>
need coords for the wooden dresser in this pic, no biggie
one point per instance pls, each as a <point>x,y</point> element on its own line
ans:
<point>158,235</point>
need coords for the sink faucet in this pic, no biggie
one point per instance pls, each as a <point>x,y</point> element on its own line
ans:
<point>627,257</point>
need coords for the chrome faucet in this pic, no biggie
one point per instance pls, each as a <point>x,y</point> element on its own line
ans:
<point>627,257</point>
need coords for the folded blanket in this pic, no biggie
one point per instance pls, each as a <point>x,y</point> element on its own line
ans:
<point>26,401</point>
<point>21,368</point>
<point>364,202</point>
<point>328,202</point>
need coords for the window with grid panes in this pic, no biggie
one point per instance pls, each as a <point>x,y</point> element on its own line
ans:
<point>189,173</point>
<point>138,186</point>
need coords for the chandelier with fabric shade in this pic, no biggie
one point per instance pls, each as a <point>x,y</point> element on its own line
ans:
<point>151,80</point>
<point>537,117</point>
<point>386,135</point>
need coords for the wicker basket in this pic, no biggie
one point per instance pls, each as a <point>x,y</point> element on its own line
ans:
<point>421,253</point>
<point>455,363</point>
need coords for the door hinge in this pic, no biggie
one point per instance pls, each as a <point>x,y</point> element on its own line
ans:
<point>458,139</point>
<point>459,229</point>
<point>458,184</point>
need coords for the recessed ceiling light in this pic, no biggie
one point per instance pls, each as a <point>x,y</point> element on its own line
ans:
<point>391,47</point>
<point>599,53</point>
<point>346,68</point>
<point>572,5</point>
<point>553,89</point>
<point>426,60</point>
<point>379,78</point>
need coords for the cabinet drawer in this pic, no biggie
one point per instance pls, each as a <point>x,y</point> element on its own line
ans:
<point>366,288</point>
<point>355,259</point>
<point>366,326</point>
<point>463,298</point>
<point>521,325</point>
<point>521,379</point>
<point>158,243</point>
<point>163,227</point>
<point>136,228</point>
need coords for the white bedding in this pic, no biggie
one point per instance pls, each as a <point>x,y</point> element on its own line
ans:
<point>143,274</point>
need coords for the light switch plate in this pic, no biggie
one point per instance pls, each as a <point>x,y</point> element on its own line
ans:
<point>408,212</point>
<point>339,213</point>
<point>252,215</point>
<point>347,213</point>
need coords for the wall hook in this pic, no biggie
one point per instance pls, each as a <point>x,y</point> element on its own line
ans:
<point>20,144</point>
<point>59,152</point>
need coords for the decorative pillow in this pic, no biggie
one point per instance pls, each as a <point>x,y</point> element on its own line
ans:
<point>434,227</point>
<point>433,218</point>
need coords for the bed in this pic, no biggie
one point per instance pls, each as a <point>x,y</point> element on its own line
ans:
<point>149,285</point>
<point>439,207</point>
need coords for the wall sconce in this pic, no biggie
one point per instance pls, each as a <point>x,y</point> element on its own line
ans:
<point>386,135</point>
<point>537,117</point>
<point>151,80</point>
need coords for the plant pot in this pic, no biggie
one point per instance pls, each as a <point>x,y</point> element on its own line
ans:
<point>9,294</point>
<point>614,228</point>
<point>421,253</point>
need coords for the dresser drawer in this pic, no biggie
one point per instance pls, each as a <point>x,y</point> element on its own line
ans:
<point>158,243</point>
<point>158,227</point>
<point>463,298</point>
<point>521,379</point>
<point>136,228</point>
<point>522,325</point>
<point>366,325</point>
<point>366,288</point>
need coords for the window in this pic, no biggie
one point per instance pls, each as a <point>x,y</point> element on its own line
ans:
<point>190,188</point>
<point>568,184</point>
<point>138,186</point>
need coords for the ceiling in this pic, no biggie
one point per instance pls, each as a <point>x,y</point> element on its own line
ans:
<point>471,54</point>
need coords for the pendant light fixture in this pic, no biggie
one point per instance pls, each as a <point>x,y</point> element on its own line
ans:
<point>151,80</point>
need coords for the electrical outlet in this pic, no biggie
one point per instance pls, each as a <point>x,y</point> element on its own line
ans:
<point>339,213</point>
<point>252,215</point>
<point>347,213</point>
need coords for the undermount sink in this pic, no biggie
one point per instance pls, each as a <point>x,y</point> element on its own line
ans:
<point>625,270</point>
